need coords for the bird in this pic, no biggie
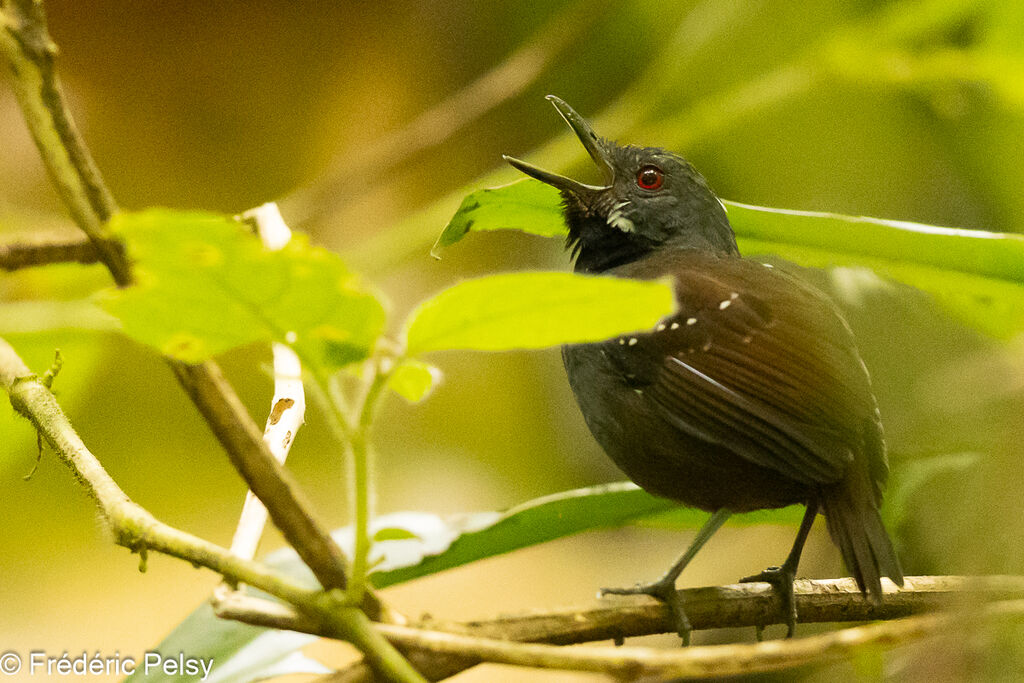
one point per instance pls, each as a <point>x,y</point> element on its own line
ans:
<point>751,396</point>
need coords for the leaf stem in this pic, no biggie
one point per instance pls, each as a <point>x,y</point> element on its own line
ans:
<point>361,457</point>
<point>352,429</point>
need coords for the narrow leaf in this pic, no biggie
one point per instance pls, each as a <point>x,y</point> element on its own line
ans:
<point>534,310</point>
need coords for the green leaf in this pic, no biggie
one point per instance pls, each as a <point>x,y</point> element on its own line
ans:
<point>413,379</point>
<point>975,275</point>
<point>206,285</point>
<point>692,518</point>
<point>535,309</point>
<point>487,534</point>
<point>525,202</point>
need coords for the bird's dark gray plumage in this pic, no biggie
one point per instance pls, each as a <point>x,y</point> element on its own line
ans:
<point>752,396</point>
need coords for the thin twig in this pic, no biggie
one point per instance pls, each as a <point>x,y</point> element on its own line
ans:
<point>133,527</point>
<point>30,51</point>
<point>44,250</point>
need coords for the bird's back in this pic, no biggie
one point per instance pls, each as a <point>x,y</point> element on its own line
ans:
<point>753,395</point>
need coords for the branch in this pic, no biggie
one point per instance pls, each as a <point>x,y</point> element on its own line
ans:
<point>265,476</point>
<point>740,605</point>
<point>30,51</point>
<point>136,529</point>
<point>43,250</point>
<point>133,527</point>
<point>702,661</point>
<point>288,405</point>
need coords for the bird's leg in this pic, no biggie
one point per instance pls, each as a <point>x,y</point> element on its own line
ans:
<point>664,589</point>
<point>781,578</point>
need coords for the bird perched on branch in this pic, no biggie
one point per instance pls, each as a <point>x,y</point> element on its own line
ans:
<point>752,396</point>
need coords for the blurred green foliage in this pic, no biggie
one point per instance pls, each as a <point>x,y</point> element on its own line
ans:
<point>906,110</point>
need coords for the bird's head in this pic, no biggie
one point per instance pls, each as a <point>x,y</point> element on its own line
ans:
<point>649,198</point>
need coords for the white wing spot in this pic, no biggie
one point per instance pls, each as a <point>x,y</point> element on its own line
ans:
<point>767,265</point>
<point>691,321</point>
<point>734,296</point>
<point>622,342</point>
<point>633,341</point>
<point>725,304</point>
<point>661,327</point>
<point>706,347</point>
<point>674,326</point>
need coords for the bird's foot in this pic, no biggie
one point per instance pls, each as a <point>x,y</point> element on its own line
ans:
<point>781,580</point>
<point>666,592</point>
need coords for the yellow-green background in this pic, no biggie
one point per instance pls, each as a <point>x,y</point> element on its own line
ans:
<point>227,105</point>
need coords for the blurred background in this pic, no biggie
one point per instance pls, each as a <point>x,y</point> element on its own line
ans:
<point>368,123</point>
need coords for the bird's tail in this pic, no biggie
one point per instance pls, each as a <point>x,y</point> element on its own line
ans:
<point>856,527</point>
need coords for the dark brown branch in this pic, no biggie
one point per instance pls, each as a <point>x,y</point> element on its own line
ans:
<point>46,250</point>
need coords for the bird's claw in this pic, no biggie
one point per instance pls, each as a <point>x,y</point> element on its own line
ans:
<point>781,580</point>
<point>666,592</point>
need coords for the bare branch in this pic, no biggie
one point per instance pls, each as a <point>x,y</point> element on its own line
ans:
<point>132,526</point>
<point>630,663</point>
<point>136,529</point>
<point>818,601</point>
<point>265,476</point>
<point>44,250</point>
<point>30,51</point>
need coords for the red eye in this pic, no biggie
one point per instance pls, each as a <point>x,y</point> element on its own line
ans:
<point>650,178</point>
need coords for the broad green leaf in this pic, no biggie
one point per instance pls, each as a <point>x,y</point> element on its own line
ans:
<point>524,202</point>
<point>205,285</point>
<point>975,275</point>
<point>535,309</point>
<point>413,379</point>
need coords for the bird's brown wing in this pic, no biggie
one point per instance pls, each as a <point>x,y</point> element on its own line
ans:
<point>780,385</point>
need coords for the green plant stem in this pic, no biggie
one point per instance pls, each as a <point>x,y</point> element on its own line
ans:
<point>362,466</point>
<point>352,429</point>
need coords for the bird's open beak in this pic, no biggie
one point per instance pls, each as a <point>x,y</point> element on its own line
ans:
<point>593,144</point>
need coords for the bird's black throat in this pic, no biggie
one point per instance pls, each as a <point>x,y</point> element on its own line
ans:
<point>700,224</point>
